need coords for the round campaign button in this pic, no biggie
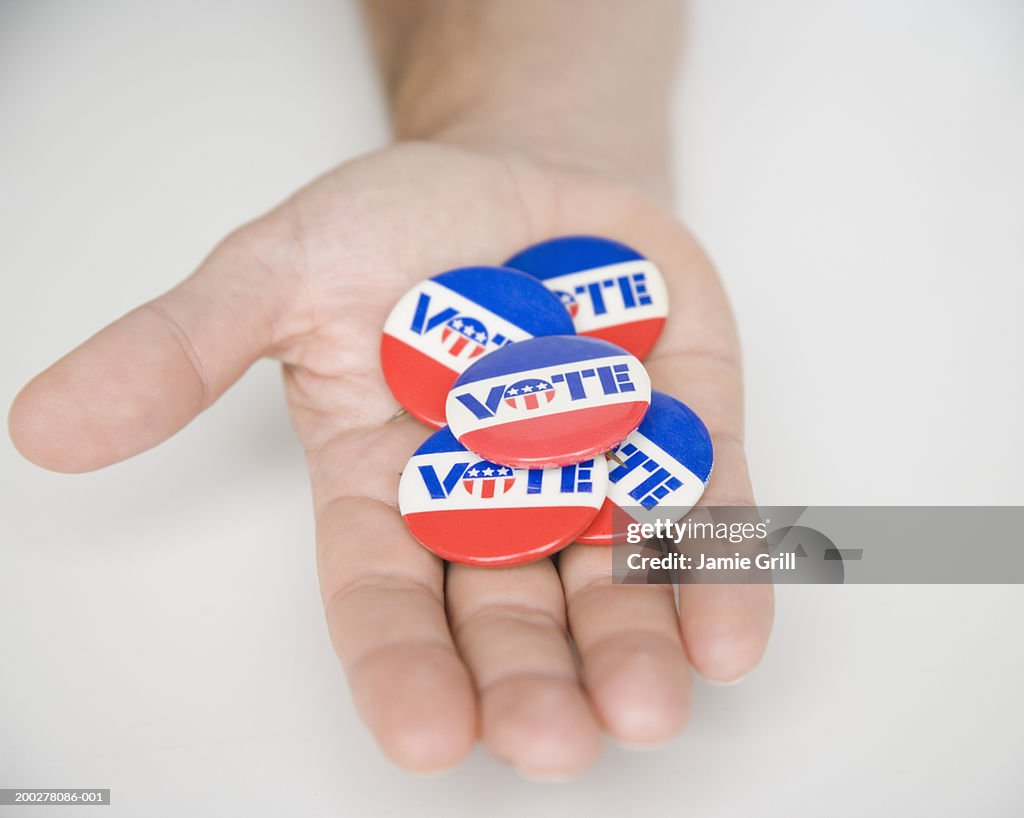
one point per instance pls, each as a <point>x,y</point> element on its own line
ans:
<point>444,324</point>
<point>662,471</point>
<point>465,509</point>
<point>610,290</point>
<point>548,401</point>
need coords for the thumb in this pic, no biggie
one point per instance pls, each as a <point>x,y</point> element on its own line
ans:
<point>142,378</point>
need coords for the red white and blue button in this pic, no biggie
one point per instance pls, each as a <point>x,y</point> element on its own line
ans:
<point>548,401</point>
<point>444,324</point>
<point>610,290</point>
<point>470,510</point>
<point>665,465</point>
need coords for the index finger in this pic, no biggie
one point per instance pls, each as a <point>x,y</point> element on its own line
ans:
<point>383,598</point>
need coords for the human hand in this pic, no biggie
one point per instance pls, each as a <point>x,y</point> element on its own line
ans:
<point>435,655</point>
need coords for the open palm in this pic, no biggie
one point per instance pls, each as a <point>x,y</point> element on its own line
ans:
<point>536,660</point>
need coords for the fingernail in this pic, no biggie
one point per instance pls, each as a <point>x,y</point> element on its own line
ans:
<point>725,683</point>
<point>441,772</point>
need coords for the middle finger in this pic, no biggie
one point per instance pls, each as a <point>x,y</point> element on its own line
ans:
<point>509,625</point>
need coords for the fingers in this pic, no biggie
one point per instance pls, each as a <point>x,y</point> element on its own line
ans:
<point>145,376</point>
<point>383,599</point>
<point>634,667</point>
<point>509,624</point>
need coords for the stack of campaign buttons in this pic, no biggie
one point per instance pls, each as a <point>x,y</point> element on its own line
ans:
<point>611,291</point>
<point>551,437</point>
<point>444,324</point>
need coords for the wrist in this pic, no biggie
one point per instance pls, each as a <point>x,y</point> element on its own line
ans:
<point>631,150</point>
<point>578,83</point>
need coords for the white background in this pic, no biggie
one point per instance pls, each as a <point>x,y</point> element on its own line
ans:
<point>855,169</point>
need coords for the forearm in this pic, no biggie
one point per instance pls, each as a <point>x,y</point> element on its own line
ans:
<point>586,82</point>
